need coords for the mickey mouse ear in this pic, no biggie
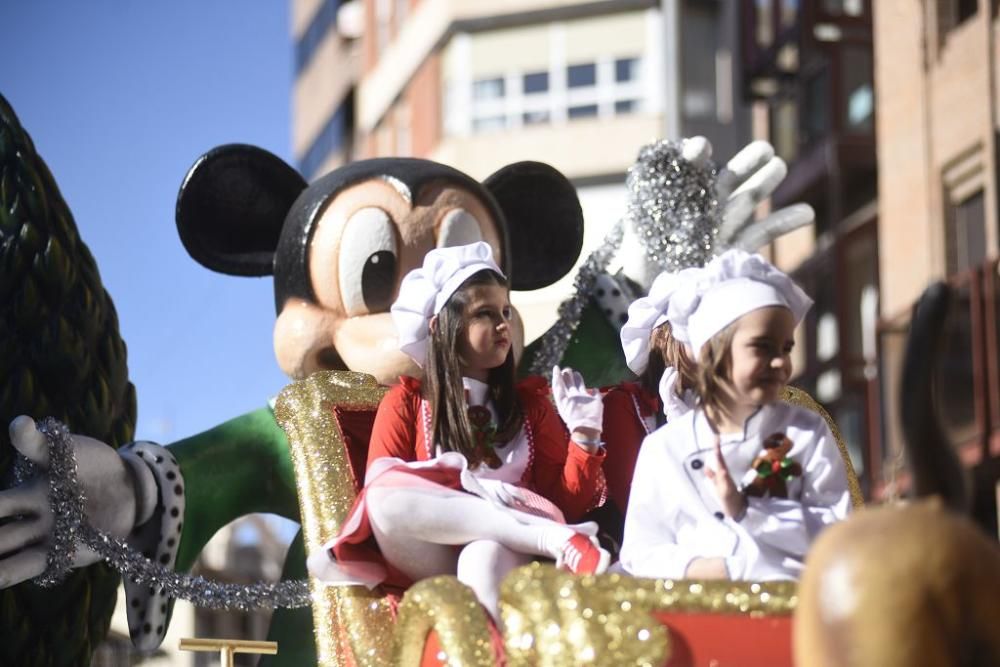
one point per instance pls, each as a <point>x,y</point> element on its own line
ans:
<point>231,208</point>
<point>544,222</point>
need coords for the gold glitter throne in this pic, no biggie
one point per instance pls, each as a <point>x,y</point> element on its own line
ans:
<point>551,618</point>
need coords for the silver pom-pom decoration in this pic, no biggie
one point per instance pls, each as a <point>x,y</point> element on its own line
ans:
<point>673,206</point>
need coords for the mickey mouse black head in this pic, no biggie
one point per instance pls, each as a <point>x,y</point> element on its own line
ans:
<point>338,248</point>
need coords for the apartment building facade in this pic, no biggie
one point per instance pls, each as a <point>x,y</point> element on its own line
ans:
<point>937,76</point>
<point>481,84</point>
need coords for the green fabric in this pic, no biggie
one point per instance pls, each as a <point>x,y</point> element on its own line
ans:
<point>292,628</point>
<point>595,350</point>
<point>237,468</point>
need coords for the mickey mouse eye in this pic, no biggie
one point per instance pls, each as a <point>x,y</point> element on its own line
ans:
<point>458,227</point>
<point>368,262</point>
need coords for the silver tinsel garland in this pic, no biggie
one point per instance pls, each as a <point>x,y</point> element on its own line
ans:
<point>673,209</point>
<point>70,526</point>
<point>65,499</point>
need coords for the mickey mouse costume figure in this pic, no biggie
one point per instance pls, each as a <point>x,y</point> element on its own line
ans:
<point>688,515</point>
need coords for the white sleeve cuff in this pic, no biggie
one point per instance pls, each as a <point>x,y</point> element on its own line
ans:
<point>146,492</point>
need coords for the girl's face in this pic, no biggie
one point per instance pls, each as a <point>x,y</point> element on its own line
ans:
<point>761,349</point>
<point>485,338</point>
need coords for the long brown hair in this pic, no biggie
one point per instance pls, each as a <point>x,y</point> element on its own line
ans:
<point>666,351</point>
<point>442,386</point>
<point>714,371</point>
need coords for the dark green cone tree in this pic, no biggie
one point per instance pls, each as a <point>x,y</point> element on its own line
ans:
<point>60,355</point>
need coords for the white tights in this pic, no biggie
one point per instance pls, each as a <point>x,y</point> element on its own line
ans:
<point>417,531</point>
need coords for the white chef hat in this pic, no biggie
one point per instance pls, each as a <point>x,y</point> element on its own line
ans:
<point>647,313</point>
<point>424,291</point>
<point>730,286</point>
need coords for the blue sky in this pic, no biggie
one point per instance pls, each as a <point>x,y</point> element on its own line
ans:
<point>120,98</point>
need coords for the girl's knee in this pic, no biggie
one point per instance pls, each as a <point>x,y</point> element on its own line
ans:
<point>388,508</point>
<point>483,554</point>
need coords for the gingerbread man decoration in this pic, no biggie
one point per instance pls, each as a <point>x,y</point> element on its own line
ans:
<point>774,469</point>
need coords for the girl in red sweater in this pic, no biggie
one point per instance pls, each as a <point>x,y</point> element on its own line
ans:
<point>468,473</point>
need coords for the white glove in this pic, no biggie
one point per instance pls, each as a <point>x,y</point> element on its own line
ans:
<point>26,519</point>
<point>579,407</point>
<point>747,179</point>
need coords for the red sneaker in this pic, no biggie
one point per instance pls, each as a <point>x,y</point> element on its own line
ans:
<point>582,555</point>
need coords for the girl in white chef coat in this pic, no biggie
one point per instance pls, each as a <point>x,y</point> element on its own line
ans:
<point>739,487</point>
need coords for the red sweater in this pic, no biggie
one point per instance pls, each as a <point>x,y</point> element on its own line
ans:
<point>561,471</point>
<point>625,405</point>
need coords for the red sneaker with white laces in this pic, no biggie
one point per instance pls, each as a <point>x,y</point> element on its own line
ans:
<point>582,555</point>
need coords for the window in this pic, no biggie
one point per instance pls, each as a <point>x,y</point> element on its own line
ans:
<point>860,292</point>
<point>763,23</point>
<point>966,9</point>
<point>965,224</point>
<point>698,50</point>
<point>330,139</point>
<point>324,19</point>
<point>952,13</point>
<point>488,89</point>
<point>859,94</point>
<point>582,111</point>
<point>816,108</point>
<point>784,118</point>
<point>536,82</point>
<point>489,123</point>
<point>789,13</point>
<point>626,106</point>
<point>578,76</point>
<point>626,69</point>
<point>609,86</point>
<point>963,181</point>
<point>535,117</point>
<point>844,7</point>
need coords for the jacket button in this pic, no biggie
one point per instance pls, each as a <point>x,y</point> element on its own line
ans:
<point>720,516</point>
<point>697,464</point>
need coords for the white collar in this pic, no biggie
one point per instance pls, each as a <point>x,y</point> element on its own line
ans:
<point>753,426</point>
<point>476,391</point>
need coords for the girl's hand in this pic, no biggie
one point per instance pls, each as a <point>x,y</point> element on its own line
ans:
<point>581,409</point>
<point>734,503</point>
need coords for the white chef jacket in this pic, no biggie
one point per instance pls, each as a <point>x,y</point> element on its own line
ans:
<point>675,515</point>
